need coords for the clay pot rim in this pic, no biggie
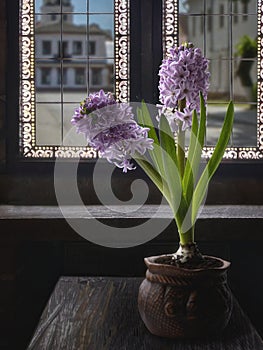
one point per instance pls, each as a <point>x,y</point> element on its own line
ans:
<point>150,262</point>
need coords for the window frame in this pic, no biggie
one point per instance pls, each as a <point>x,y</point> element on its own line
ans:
<point>242,178</point>
<point>28,120</point>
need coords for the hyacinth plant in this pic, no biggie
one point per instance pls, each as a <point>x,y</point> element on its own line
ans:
<point>114,132</point>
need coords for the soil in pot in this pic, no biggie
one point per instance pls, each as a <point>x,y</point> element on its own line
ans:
<point>204,263</point>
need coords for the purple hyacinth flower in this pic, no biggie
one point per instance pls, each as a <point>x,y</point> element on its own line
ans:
<point>110,128</point>
<point>183,76</point>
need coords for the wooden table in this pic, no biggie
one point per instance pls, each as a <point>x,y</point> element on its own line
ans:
<point>97,313</point>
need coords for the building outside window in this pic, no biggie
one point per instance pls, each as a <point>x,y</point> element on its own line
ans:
<point>94,66</point>
<point>209,20</point>
<point>221,17</point>
<point>96,76</point>
<point>201,26</point>
<point>245,11</point>
<point>46,47</point>
<point>235,11</point>
<point>69,51</point>
<point>77,47</point>
<point>64,52</point>
<point>46,76</point>
<point>92,47</point>
<point>194,26</point>
<point>245,7</point>
<point>64,77</point>
<point>79,76</point>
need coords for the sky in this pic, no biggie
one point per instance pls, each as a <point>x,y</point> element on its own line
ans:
<point>104,20</point>
<point>81,5</point>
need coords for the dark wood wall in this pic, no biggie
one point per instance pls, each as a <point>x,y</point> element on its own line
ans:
<point>2,83</point>
<point>34,253</point>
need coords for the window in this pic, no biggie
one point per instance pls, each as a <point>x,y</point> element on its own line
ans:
<point>46,76</point>
<point>92,48</point>
<point>219,46</point>
<point>142,84</point>
<point>77,47</point>
<point>235,11</point>
<point>64,76</point>
<point>193,26</point>
<point>232,49</point>
<point>221,17</point>
<point>96,76</point>
<point>63,53</point>
<point>46,47</point>
<point>80,76</point>
<point>209,20</point>
<point>245,7</point>
<point>91,22</point>
<point>201,26</point>
<point>245,10</point>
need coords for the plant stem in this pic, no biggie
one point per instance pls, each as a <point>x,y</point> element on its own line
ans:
<point>181,150</point>
<point>187,237</point>
<point>181,141</point>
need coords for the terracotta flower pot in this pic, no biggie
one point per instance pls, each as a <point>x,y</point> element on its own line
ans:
<point>177,302</point>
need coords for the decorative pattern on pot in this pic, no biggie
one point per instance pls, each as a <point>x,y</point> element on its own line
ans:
<point>178,302</point>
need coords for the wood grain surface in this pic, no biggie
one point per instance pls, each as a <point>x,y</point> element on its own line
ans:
<point>99,313</point>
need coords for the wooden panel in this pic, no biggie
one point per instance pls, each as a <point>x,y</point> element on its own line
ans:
<point>101,313</point>
<point>2,83</point>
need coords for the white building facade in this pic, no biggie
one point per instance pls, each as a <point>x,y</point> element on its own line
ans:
<point>220,33</point>
<point>67,55</point>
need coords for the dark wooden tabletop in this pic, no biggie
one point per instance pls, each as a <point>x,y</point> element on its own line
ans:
<point>97,313</point>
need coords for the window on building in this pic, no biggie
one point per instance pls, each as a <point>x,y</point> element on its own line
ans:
<point>92,48</point>
<point>193,26</point>
<point>96,76</point>
<point>221,17</point>
<point>63,49</point>
<point>46,47</point>
<point>235,11</point>
<point>201,25</point>
<point>64,80</point>
<point>77,47</point>
<point>65,17</point>
<point>46,76</point>
<point>65,76</point>
<point>245,10</point>
<point>209,20</point>
<point>53,17</point>
<point>80,78</point>
<point>245,7</point>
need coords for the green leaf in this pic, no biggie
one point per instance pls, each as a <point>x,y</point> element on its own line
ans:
<point>169,158</point>
<point>197,139</point>
<point>214,161</point>
<point>153,175</point>
<point>188,179</point>
<point>145,119</point>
